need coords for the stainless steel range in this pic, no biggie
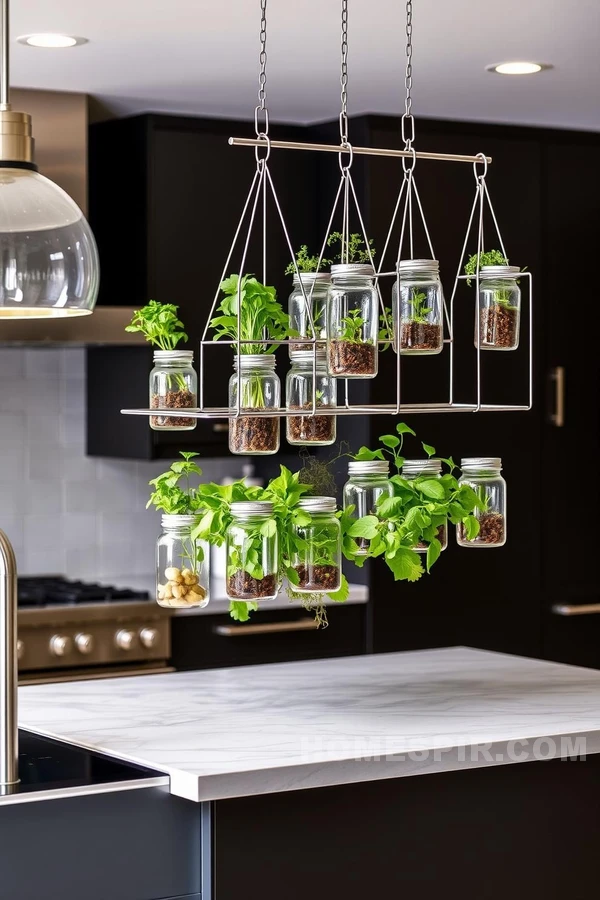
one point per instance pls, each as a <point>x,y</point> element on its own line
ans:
<point>72,630</point>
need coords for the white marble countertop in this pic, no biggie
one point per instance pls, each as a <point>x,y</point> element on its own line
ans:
<point>253,730</point>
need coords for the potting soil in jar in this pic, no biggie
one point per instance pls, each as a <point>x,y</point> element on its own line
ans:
<point>173,385</point>
<point>311,429</point>
<point>254,434</point>
<point>483,475</point>
<point>491,530</point>
<point>420,336</point>
<point>317,557</point>
<point>499,327</point>
<point>499,308</point>
<point>243,586</point>
<point>352,359</point>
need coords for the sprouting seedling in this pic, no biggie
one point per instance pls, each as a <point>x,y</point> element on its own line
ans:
<point>385,329</point>
<point>352,330</point>
<point>353,249</point>
<point>306,263</point>
<point>418,308</point>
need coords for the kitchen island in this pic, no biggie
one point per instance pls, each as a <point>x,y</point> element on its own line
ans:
<point>302,775</point>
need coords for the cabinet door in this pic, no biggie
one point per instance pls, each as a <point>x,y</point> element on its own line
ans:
<point>486,598</point>
<point>569,461</point>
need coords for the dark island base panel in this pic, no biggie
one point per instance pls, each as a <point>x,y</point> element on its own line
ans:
<point>130,845</point>
<point>525,831</point>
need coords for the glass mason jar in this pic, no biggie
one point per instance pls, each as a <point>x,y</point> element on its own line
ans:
<point>316,285</point>
<point>352,321</point>
<point>499,307</point>
<point>182,564</point>
<point>367,482</point>
<point>252,551</point>
<point>420,312</point>
<point>173,384</point>
<point>260,390</point>
<point>483,475</point>
<point>309,429</point>
<point>317,558</point>
<point>430,468</point>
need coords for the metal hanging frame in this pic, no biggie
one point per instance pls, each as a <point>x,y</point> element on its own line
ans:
<point>262,187</point>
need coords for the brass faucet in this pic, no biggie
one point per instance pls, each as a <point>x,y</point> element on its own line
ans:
<point>9,735</point>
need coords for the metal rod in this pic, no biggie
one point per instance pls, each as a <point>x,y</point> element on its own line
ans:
<point>361,151</point>
<point>9,738</point>
<point>224,412</point>
<point>4,50</point>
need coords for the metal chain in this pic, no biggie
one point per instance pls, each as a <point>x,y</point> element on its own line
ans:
<point>344,76</point>
<point>262,78</point>
<point>408,121</point>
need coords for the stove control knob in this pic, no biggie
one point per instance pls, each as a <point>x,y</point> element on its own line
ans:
<point>149,637</point>
<point>84,642</point>
<point>124,639</point>
<point>20,649</point>
<point>60,645</point>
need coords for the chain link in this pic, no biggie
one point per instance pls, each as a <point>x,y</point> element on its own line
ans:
<point>408,121</point>
<point>344,76</point>
<point>262,78</point>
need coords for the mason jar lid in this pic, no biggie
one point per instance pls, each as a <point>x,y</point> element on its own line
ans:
<point>499,270</point>
<point>252,508</point>
<point>177,521</point>
<point>421,467</point>
<point>312,278</point>
<point>369,467</point>
<point>307,356</point>
<point>167,355</point>
<point>426,266</point>
<point>481,462</point>
<point>255,360</point>
<point>352,269</point>
<point>318,504</point>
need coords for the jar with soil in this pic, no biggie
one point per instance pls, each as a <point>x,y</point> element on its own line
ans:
<point>483,475</point>
<point>418,310</point>
<point>316,285</point>
<point>260,390</point>
<point>352,321</point>
<point>317,557</point>
<point>499,308</point>
<point>426,468</point>
<point>367,481</point>
<point>252,552</point>
<point>306,373</point>
<point>182,564</point>
<point>173,385</point>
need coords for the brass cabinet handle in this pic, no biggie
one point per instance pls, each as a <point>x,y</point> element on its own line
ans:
<point>219,427</point>
<point>269,628</point>
<point>581,609</point>
<point>557,417</point>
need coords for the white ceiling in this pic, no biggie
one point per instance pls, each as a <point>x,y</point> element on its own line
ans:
<point>191,56</point>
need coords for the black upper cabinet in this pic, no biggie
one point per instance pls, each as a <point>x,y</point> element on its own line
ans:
<point>166,196</point>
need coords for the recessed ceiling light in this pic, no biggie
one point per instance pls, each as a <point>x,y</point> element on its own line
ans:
<point>52,40</point>
<point>517,68</point>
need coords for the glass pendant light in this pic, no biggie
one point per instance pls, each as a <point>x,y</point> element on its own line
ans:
<point>48,257</point>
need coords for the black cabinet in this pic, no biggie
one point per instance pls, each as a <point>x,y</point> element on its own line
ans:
<point>211,641</point>
<point>166,195</point>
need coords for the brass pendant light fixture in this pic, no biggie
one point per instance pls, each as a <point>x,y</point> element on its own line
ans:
<point>48,257</point>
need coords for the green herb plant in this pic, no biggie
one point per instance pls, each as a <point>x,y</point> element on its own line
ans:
<point>262,317</point>
<point>352,327</point>
<point>386,329</point>
<point>411,516</point>
<point>306,263</point>
<point>502,296</point>
<point>418,307</point>
<point>175,494</point>
<point>162,328</point>
<point>353,249</point>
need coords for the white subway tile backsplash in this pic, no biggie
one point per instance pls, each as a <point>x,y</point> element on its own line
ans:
<point>42,363</point>
<point>64,512</point>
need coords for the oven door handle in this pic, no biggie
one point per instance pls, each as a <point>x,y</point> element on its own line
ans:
<point>268,628</point>
<point>572,609</point>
